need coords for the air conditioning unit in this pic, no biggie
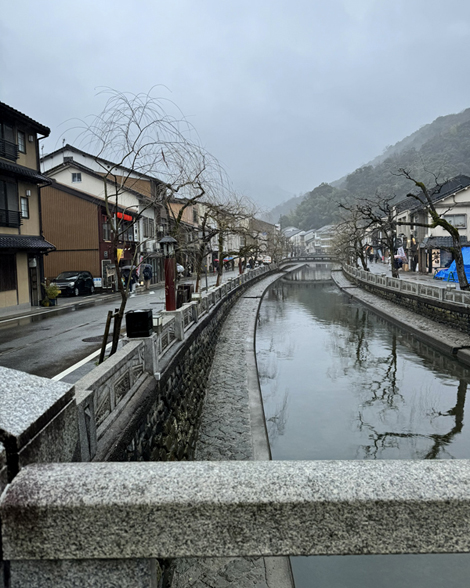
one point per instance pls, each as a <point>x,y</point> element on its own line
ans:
<point>150,246</point>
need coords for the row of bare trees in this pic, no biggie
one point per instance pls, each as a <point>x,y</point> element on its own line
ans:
<point>145,147</point>
<point>377,217</point>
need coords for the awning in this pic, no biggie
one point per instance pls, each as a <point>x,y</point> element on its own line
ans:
<point>24,243</point>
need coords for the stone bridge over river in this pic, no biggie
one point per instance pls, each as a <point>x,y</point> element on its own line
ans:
<point>185,407</point>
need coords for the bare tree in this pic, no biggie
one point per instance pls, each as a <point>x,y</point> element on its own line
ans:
<point>350,239</point>
<point>136,137</point>
<point>425,198</point>
<point>378,216</point>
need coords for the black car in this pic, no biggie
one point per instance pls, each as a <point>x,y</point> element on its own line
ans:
<point>75,283</point>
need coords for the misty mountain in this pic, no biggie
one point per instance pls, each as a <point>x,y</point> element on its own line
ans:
<point>264,195</point>
<point>440,148</point>
<point>273,216</point>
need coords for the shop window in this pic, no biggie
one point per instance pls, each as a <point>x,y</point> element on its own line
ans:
<point>7,272</point>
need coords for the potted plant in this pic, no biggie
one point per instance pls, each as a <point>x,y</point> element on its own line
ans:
<point>52,291</point>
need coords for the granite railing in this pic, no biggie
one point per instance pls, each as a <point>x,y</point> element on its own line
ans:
<point>448,294</point>
<point>103,394</point>
<point>58,519</point>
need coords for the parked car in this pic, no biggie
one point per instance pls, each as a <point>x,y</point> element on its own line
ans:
<point>74,283</point>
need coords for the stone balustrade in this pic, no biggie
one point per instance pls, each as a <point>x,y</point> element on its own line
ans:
<point>221,509</point>
<point>449,294</point>
<point>442,304</point>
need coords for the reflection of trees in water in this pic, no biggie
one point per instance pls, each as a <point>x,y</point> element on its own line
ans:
<point>385,389</point>
<point>276,423</point>
<point>442,441</point>
<point>351,346</point>
<point>351,343</point>
<point>381,388</point>
<point>379,442</point>
<point>267,362</point>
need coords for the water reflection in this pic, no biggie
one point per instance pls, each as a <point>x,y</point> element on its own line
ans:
<point>339,382</point>
<point>387,394</point>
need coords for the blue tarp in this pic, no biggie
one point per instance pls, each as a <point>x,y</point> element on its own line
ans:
<point>449,274</point>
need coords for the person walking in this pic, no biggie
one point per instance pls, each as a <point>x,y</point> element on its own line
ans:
<point>147,273</point>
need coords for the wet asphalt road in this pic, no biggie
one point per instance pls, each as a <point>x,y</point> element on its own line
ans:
<point>47,342</point>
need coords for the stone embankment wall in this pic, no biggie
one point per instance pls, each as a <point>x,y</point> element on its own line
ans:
<point>168,418</point>
<point>430,301</point>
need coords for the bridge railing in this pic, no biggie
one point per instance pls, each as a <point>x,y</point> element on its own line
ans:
<point>69,513</point>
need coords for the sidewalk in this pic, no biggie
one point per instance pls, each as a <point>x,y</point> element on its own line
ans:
<point>64,303</point>
<point>382,268</point>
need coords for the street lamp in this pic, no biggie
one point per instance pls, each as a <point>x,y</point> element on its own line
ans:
<point>167,245</point>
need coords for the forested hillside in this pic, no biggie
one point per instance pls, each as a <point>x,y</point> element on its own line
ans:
<point>441,148</point>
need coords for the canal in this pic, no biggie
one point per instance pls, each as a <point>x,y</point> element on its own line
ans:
<point>338,382</point>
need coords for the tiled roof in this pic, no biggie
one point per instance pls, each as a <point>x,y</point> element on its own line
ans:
<point>93,174</point>
<point>25,243</point>
<point>68,147</point>
<point>13,113</point>
<point>439,242</point>
<point>26,173</point>
<point>452,186</point>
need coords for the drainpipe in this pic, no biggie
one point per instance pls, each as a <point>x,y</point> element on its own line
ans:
<point>40,255</point>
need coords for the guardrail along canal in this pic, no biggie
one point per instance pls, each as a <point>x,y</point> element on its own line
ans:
<point>338,382</point>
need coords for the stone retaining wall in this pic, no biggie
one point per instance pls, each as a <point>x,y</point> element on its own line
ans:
<point>432,306</point>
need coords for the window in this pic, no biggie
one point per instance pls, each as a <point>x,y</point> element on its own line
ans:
<point>9,213</point>
<point>148,228</point>
<point>24,207</point>
<point>7,272</point>
<point>21,142</point>
<point>8,146</point>
<point>106,231</point>
<point>459,221</point>
<point>76,177</point>
<point>195,217</point>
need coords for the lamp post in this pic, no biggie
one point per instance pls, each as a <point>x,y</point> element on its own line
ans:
<point>167,245</point>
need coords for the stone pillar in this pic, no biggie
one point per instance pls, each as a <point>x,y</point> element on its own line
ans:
<point>38,424</point>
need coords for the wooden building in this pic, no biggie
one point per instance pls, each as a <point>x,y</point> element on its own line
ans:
<point>78,225</point>
<point>22,245</point>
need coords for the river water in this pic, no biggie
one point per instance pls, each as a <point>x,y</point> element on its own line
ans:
<point>338,382</point>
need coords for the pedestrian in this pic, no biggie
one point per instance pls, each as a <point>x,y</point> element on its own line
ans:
<point>147,273</point>
<point>132,281</point>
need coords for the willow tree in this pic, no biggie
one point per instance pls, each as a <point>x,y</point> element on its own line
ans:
<point>136,137</point>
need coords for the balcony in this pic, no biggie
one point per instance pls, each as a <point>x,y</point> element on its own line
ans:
<point>10,218</point>
<point>8,150</point>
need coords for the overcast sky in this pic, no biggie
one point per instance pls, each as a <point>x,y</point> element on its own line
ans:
<point>286,94</point>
